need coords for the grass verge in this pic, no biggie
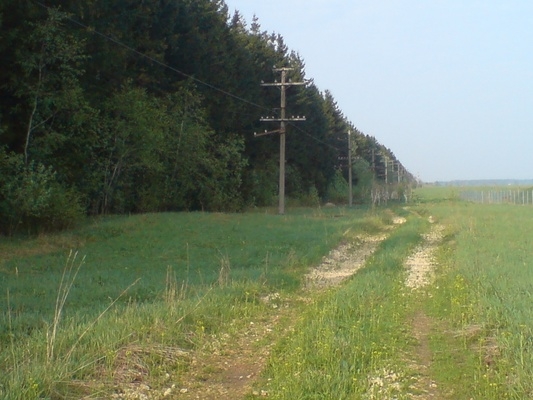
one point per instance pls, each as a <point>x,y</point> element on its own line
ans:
<point>197,277</point>
<point>481,302</point>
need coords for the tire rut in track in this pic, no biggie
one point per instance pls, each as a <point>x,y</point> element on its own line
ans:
<point>420,272</point>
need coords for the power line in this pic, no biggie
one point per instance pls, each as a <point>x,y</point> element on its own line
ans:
<point>160,63</point>
<point>315,138</point>
<point>164,65</point>
<point>199,81</point>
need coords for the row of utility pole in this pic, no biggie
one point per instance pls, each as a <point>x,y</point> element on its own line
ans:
<point>282,119</point>
<point>399,168</point>
<point>393,164</point>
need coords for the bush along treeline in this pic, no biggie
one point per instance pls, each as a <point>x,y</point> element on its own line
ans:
<point>125,106</point>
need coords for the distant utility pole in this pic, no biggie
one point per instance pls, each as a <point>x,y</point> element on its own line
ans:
<point>373,165</point>
<point>398,166</point>
<point>386,170</point>
<point>350,197</point>
<point>282,129</point>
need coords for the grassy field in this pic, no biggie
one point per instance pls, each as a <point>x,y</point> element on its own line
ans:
<point>361,341</point>
<point>166,279</point>
<point>151,290</point>
<point>484,293</point>
<point>117,252</point>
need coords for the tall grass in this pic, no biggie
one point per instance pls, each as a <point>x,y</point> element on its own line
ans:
<point>485,292</point>
<point>121,250</point>
<point>67,280</point>
<point>197,275</point>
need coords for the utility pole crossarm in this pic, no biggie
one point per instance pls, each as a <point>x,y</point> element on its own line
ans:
<point>266,133</point>
<point>284,84</point>
<point>274,119</point>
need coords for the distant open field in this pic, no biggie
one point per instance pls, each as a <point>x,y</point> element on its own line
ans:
<point>219,306</point>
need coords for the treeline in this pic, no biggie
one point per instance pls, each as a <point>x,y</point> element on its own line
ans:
<point>131,106</point>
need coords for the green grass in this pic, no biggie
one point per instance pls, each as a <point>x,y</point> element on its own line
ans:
<point>350,342</point>
<point>484,296</point>
<point>148,281</point>
<point>118,252</point>
<point>355,341</point>
<point>197,277</point>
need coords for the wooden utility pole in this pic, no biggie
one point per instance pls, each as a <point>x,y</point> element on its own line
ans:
<point>350,196</point>
<point>399,166</point>
<point>282,129</point>
<point>386,170</point>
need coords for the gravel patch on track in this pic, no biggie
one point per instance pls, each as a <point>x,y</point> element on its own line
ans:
<point>420,263</point>
<point>345,260</point>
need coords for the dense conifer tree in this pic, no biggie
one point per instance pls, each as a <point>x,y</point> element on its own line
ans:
<point>127,106</point>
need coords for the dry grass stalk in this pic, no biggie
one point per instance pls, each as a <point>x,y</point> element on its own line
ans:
<point>67,280</point>
<point>224,273</point>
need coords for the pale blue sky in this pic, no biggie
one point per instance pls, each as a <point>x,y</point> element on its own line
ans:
<point>447,85</point>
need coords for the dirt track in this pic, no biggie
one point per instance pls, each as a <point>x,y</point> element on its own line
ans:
<point>227,367</point>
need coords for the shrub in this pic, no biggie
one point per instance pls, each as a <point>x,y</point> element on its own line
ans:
<point>32,199</point>
<point>311,198</point>
<point>338,189</point>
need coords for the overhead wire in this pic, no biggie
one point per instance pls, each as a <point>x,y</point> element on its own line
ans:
<point>184,74</point>
<point>154,60</point>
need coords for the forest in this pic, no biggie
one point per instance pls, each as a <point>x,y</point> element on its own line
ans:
<point>127,106</point>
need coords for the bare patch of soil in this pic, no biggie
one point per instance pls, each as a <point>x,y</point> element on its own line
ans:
<point>227,368</point>
<point>423,387</point>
